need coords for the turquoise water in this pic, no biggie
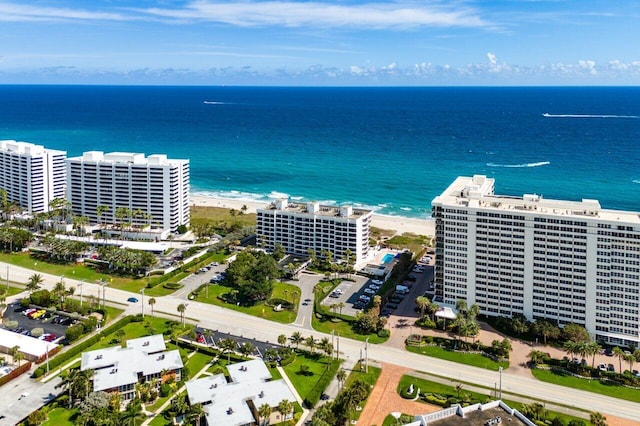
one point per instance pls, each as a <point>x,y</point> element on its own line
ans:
<point>389,149</point>
<point>388,258</point>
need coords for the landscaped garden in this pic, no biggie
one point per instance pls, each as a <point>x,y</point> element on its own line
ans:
<point>221,295</point>
<point>444,395</point>
<point>446,349</point>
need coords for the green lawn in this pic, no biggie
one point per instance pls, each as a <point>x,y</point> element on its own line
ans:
<point>60,417</point>
<point>475,360</point>
<point>450,391</point>
<point>258,310</point>
<point>603,388</point>
<point>196,363</point>
<point>370,378</point>
<point>219,214</point>
<point>159,291</point>
<point>344,329</point>
<point>14,288</point>
<point>303,383</point>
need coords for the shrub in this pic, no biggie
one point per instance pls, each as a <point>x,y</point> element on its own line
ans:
<point>165,390</point>
<point>384,333</point>
<point>74,332</point>
<point>171,286</point>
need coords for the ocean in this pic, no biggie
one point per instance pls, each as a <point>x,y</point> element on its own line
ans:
<point>390,149</point>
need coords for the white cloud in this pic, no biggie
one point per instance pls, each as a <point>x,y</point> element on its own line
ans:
<point>492,58</point>
<point>11,12</point>
<point>323,14</point>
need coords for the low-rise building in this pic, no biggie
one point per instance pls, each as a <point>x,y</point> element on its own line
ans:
<point>118,369</point>
<point>236,402</point>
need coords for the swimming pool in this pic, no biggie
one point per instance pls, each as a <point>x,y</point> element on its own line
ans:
<point>387,258</point>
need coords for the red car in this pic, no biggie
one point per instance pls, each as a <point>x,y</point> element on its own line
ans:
<point>50,338</point>
<point>201,338</point>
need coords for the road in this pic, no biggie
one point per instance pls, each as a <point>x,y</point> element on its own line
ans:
<point>236,323</point>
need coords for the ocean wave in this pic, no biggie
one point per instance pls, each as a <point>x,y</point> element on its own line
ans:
<point>406,209</point>
<point>518,166</point>
<point>588,116</point>
<point>277,195</point>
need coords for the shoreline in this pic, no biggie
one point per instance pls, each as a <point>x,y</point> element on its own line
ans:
<point>400,224</point>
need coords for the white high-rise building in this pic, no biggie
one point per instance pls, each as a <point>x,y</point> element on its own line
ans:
<point>154,189</point>
<point>32,175</point>
<point>299,227</point>
<point>570,261</point>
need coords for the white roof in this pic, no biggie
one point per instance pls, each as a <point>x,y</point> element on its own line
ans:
<point>28,345</point>
<point>446,312</point>
<point>249,371</point>
<point>148,344</point>
<point>226,403</point>
<point>117,366</point>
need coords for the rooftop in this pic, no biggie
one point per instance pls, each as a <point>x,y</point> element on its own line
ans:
<point>28,345</point>
<point>226,402</point>
<point>317,209</point>
<point>494,413</point>
<point>117,366</point>
<point>126,157</point>
<point>477,192</point>
<point>26,148</point>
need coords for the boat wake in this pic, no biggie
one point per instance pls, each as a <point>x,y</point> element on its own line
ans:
<point>636,181</point>
<point>546,114</point>
<point>213,103</point>
<point>519,166</point>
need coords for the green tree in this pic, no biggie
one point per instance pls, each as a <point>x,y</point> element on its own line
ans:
<point>282,339</point>
<point>152,301</point>
<point>34,282</point>
<point>264,411</point>
<point>228,346</point>
<point>341,375</point>
<point>545,329</point>
<point>537,357</point>
<point>597,419</point>
<point>285,407</point>
<point>619,353</point>
<point>182,308</point>
<point>422,302</point>
<point>575,333</point>
<point>297,338</point>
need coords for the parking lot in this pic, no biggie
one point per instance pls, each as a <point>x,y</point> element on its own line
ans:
<point>216,337</point>
<point>51,323</point>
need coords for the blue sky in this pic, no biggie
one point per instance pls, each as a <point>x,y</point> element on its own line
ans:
<point>323,42</point>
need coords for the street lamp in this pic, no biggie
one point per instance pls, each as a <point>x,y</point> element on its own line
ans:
<point>80,285</point>
<point>366,355</point>
<point>7,278</point>
<point>142,301</point>
<point>500,370</point>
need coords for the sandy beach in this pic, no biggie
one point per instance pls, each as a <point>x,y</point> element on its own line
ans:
<point>396,223</point>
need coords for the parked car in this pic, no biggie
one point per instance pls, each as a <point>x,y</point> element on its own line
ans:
<point>602,367</point>
<point>374,287</point>
<point>200,338</point>
<point>50,338</point>
<point>611,367</point>
<point>376,282</point>
<point>28,311</point>
<point>391,306</point>
<point>369,291</point>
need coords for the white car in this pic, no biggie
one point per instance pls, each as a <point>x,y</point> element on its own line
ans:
<point>369,291</point>
<point>377,282</point>
<point>374,287</point>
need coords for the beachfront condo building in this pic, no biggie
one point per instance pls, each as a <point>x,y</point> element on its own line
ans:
<point>31,175</point>
<point>299,227</point>
<point>153,190</point>
<point>570,261</point>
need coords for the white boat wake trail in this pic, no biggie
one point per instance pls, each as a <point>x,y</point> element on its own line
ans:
<point>518,166</point>
<point>588,116</point>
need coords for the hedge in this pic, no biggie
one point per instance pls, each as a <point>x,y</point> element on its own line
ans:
<point>15,373</point>
<point>80,347</point>
<point>315,393</point>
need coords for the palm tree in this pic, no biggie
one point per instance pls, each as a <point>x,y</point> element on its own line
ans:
<point>422,302</point>
<point>619,353</point>
<point>195,413</point>
<point>152,301</point>
<point>14,352</point>
<point>282,339</point>
<point>311,342</point>
<point>630,358</point>
<point>340,306</point>
<point>264,411</point>
<point>182,308</point>
<point>246,349</point>
<point>597,419</point>
<point>341,375</point>
<point>228,346</point>
<point>297,338</point>
<point>285,406</point>
<point>536,357</point>
<point>34,282</point>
